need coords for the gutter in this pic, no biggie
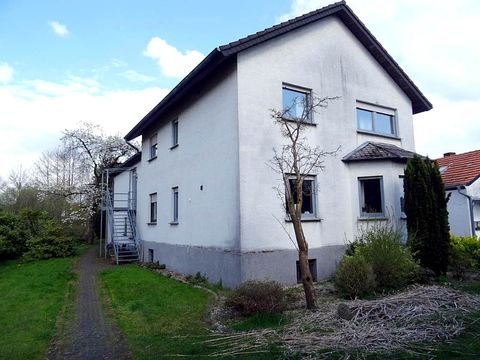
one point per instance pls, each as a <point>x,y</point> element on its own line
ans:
<point>470,203</point>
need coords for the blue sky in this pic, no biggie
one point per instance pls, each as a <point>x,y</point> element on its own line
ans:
<point>110,62</point>
<point>106,37</point>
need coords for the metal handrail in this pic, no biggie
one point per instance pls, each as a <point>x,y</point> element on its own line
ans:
<point>108,197</point>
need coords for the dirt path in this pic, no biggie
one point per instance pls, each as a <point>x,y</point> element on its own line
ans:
<point>91,333</point>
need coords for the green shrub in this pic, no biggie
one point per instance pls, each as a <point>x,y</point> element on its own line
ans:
<point>257,297</point>
<point>46,236</point>
<point>354,276</point>
<point>12,238</point>
<point>392,263</point>
<point>464,254</point>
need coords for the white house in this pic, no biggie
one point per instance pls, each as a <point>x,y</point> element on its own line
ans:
<point>461,176</point>
<point>205,199</point>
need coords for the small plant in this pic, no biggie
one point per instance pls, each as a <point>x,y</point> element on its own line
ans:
<point>155,266</point>
<point>198,279</point>
<point>354,277</point>
<point>257,297</point>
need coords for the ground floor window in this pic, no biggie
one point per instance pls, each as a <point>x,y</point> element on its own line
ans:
<point>371,197</point>
<point>309,205</point>
<point>175,205</point>
<point>477,225</point>
<point>150,255</point>
<point>153,208</point>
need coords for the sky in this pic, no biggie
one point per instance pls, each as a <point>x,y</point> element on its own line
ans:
<point>109,62</point>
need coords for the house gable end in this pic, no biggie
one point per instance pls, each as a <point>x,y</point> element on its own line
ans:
<point>229,51</point>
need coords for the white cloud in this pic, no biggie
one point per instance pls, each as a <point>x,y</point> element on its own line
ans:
<point>59,29</point>
<point>136,77</point>
<point>34,113</point>
<point>6,73</point>
<point>172,62</point>
<point>435,42</point>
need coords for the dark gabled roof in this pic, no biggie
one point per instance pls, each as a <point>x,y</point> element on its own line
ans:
<point>220,55</point>
<point>370,150</point>
<point>460,169</point>
<point>126,165</point>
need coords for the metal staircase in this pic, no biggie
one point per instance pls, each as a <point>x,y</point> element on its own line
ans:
<point>120,238</point>
<point>123,235</point>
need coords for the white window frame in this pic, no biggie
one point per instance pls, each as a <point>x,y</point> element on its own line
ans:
<point>153,208</point>
<point>305,216</point>
<point>175,207</point>
<point>361,193</point>
<point>374,110</point>
<point>301,90</point>
<point>153,145</point>
<point>174,133</point>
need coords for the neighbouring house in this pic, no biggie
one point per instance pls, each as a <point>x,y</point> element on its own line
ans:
<point>461,176</point>
<point>203,192</point>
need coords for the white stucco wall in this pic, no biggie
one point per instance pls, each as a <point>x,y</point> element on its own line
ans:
<point>459,216</point>
<point>328,59</point>
<point>204,167</point>
<point>121,188</point>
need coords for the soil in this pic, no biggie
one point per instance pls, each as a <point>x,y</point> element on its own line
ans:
<point>90,332</point>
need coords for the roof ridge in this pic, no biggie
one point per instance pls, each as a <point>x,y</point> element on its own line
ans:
<point>458,155</point>
<point>280,25</point>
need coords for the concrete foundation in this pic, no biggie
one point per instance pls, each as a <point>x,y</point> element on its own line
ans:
<point>233,267</point>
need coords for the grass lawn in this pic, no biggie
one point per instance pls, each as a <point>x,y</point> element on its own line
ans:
<point>32,295</point>
<point>159,316</point>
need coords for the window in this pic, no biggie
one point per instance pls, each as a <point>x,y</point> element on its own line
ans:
<point>371,197</point>
<point>308,196</point>
<point>174,133</point>
<point>295,103</point>
<point>477,225</point>
<point>379,121</point>
<point>153,208</point>
<point>175,205</point>
<point>312,264</point>
<point>150,255</point>
<point>153,146</point>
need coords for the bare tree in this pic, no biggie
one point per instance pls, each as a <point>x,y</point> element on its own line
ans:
<point>294,161</point>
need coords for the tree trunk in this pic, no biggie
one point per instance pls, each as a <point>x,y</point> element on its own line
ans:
<point>306,275</point>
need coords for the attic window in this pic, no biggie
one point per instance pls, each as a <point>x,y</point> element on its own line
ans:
<point>296,103</point>
<point>376,120</point>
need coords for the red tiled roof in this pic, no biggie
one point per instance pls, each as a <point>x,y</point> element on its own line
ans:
<point>460,169</point>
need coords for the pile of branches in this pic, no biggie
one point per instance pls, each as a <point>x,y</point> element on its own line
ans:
<point>422,314</point>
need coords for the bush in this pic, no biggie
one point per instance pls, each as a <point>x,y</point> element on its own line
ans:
<point>12,238</point>
<point>392,263</point>
<point>46,236</point>
<point>354,276</point>
<point>464,254</point>
<point>257,297</point>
